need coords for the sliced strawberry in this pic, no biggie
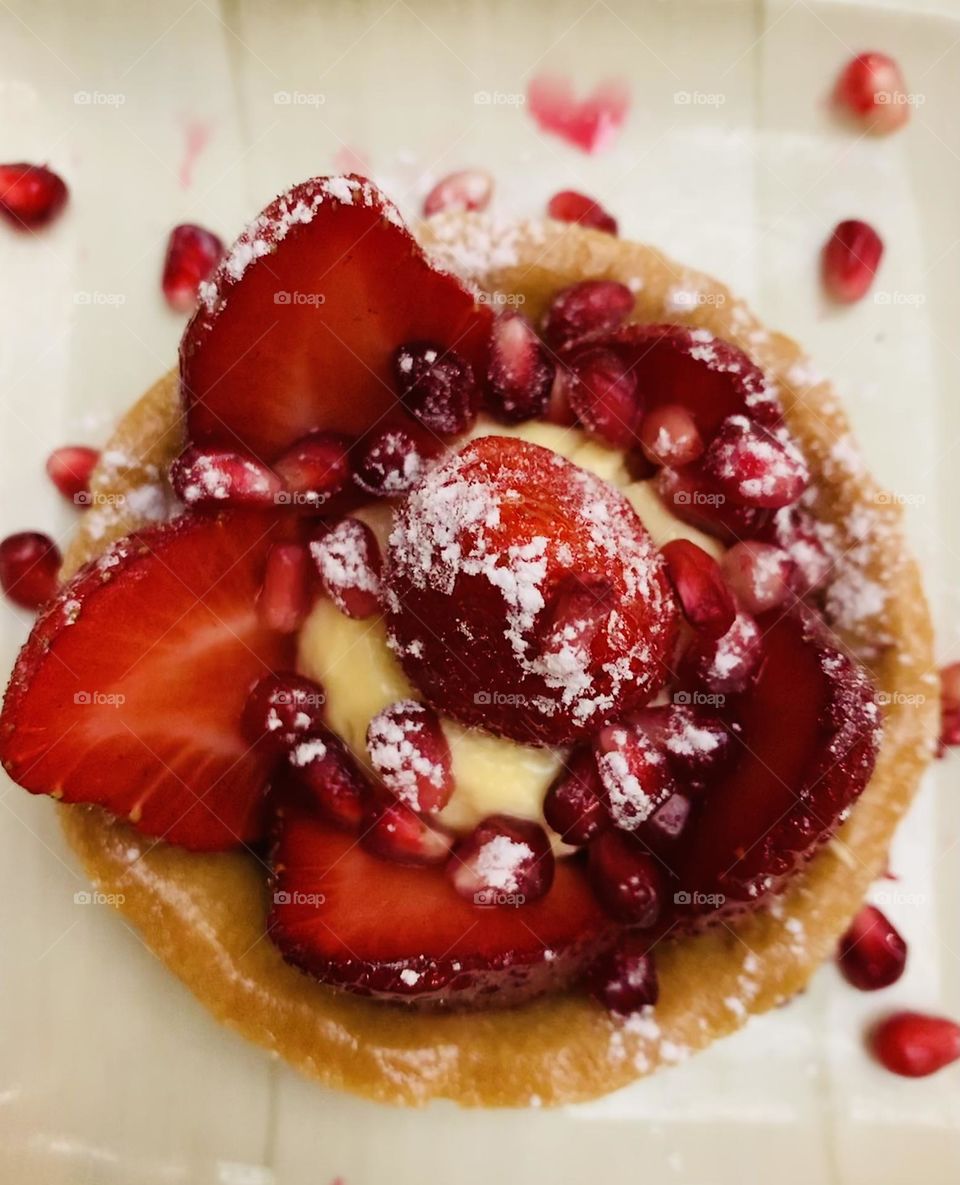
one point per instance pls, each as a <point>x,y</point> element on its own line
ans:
<point>809,729</point>
<point>130,690</point>
<point>525,595</point>
<point>381,928</point>
<point>297,329</point>
<point>689,368</point>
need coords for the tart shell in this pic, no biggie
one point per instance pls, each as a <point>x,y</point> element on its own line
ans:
<point>204,915</point>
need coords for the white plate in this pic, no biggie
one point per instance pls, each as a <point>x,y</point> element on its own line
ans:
<point>109,1071</point>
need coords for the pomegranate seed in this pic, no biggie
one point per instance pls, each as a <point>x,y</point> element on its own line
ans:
<point>282,709</point>
<point>761,575</point>
<point>579,608</point>
<point>570,206</point>
<point>205,479</point>
<point>706,601</point>
<point>725,666</point>
<point>669,436</point>
<point>634,773</point>
<point>347,556</point>
<point>624,980</point>
<point>799,534</point>
<point>872,954</point>
<point>29,564</point>
<point>192,255</point>
<point>666,824</point>
<point>391,462</point>
<point>574,806</point>
<point>503,861</point>
<point>436,387</point>
<point>520,372</point>
<point>754,465</point>
<point>285,597</point>
<point>697,744</point>
<point>914,1045</point>
<point>69,468</point>
<point>603,394</point>
<point>410,752</point>
<point>850,260</point>
<point>872,91</point>
<point>314,469</point>
<point>692,497</point>
<point>469,189</point>
<point>558,409</point>
<point>395,832</point>
<point>322,764</point>
<point>625,879</point>
<point>30,195</point>
<point>950,705</point>
<point>590,306</point>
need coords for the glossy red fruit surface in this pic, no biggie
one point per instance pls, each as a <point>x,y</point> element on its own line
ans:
<point>626,879</point>
<point>479,572</point>
<point>915,1045</point>
<point>299,327</point>
<point>410,752</point>
<point>332,781</point>
<point>851,257</point>
<point>520,372</point>
<point>347,558</point>
<point>872,92</point>
<point>624,980</point>
<point>589,306</point>
<point>377,927</point>
<point>213,479</point>
<point>872,953</point>
<point>31,195</point>
<point>192,256</point>
<point>395,832</point>
<point>504,862</point>
<point>29,568</point>
<point>570,206</point>
<point>436,386</point>
<point>574,805</point>
<point>698,581</point>
<point>148,726</point>
<point>69,468</point>
<point>282,709</point>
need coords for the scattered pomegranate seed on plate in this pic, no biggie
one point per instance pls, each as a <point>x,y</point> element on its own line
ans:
<point>589,306</point>
<point>436,386</point>
<point>503,861</point>
<point>192,256</point>
<point>396,832</point>
<point>29,564</point>
<point>410,752</point>
<point>850,260</point>
<point>347,557</point>
<point>872,953</point>
<point>520,371</point>
<point>624,980</point>
<point>468,189</point>
<point>706,600</point>
<point>31,195</point>
<point>570,206</point>
<point>950,704</point>
<point>211,478</point>
<point>285,597</point>
<point>871,90</point>
<point>70,467</point>
<point>914,1044</point>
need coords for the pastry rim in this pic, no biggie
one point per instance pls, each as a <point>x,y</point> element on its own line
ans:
<point>561,1049</point>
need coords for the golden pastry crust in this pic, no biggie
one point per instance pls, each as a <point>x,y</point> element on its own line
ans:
<point>203,915</point>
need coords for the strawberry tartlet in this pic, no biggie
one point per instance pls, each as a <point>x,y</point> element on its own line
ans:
<point>492,653</point>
